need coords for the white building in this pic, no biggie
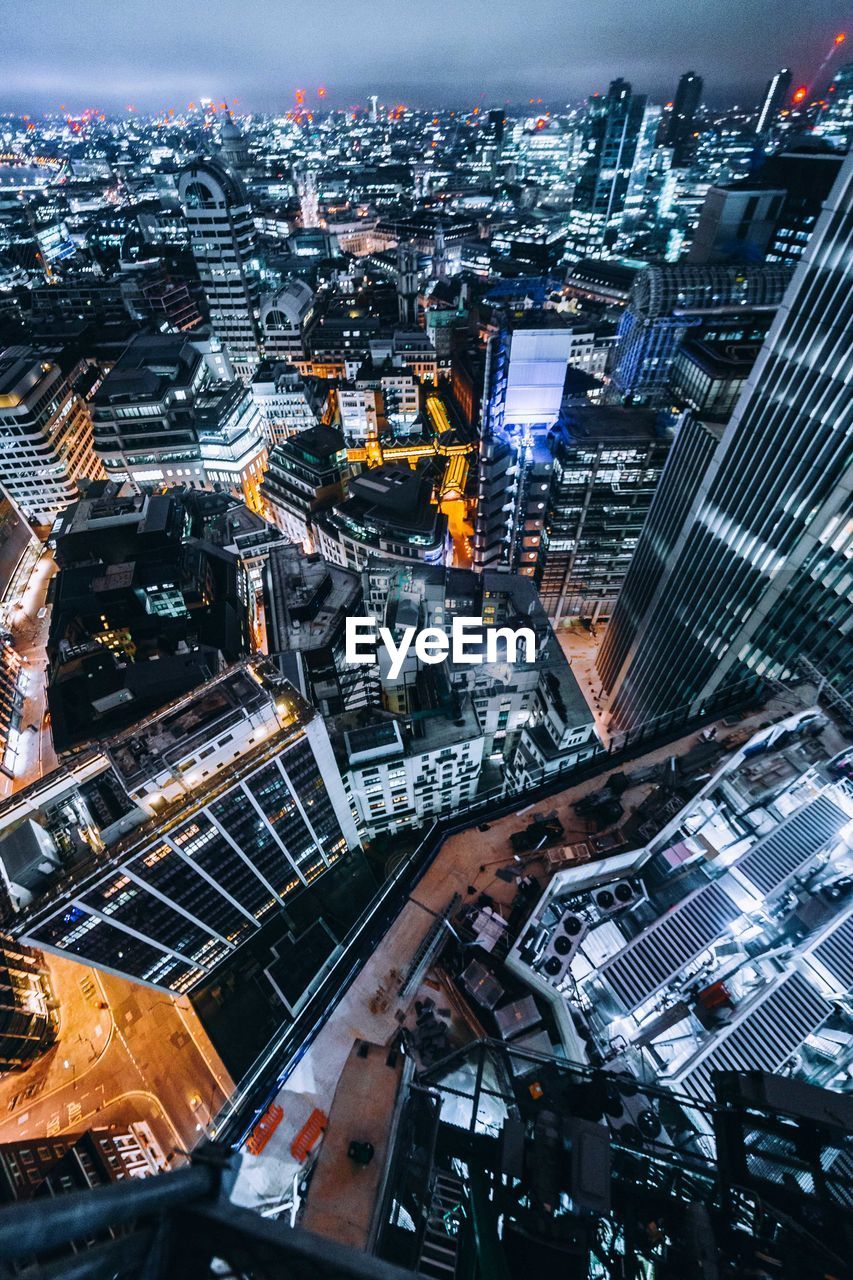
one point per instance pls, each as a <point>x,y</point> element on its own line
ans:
<point>169,413</point>
<point>286,406</point>
<point>453,734</point>
<point>284,315</point>
<point>45,434</point>
<point>397,781</point>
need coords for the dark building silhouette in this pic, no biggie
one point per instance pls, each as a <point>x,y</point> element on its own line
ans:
<point>143,609</point>
<point>678,131</point>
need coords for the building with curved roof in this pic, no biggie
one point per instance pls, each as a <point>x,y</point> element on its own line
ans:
<point>224,245</point>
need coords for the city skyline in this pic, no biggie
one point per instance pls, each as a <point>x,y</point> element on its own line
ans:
<point>426,691</point>
<point>559,52</point>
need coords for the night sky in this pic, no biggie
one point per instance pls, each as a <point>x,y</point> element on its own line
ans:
<point>160,53</point>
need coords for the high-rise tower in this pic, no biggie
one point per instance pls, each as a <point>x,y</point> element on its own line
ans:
<point>678,132</point>
<point>619,132</point>
<point>773,100</point>
<point>223,241</point>
<point>742,570</point>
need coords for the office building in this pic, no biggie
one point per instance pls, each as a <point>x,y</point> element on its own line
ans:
<point>285,315</point>
<point>45,432</point>
<point>742,573</point>
<point>306,604</point>
<point>169,412</point>
<point>774,99</point>
<point>146,606</point>
<point>806,172</point>
<point>525,376</point>
<point>737,223</point>
<point>388,511</point>
<point>153,294</point>
<point>29,1017</point>
<point>231,444</point>
<point>708,376</point>
<point>604,280</point>
<point>157,856</point>
<point>408,284</point>
<point>836,123</point>
<point>607,462</point>
<point>20,550</point>
<point>229,525</point>
<point>719,303</point>
<point>306,473</point>
<point>770,217</point>
<point>619,133</point>
<point>384,399</point>
<point>286,402</point>
<point>678,128</point>
<point>223,242</point>
<point>446,736</point>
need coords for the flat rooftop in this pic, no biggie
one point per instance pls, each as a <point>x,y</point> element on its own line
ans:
<point>153,741</point>
<point>342,1196</point>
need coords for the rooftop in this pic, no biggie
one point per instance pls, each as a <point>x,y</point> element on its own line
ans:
<point>721,941</point>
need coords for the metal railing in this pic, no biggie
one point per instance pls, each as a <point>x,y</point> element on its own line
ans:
<point>175,1224</point>
<point>279,1059</point>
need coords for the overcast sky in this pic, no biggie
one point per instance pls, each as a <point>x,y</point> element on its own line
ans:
<point>163,53</point>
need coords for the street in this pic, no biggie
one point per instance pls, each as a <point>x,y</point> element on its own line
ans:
<point>125,1053</point>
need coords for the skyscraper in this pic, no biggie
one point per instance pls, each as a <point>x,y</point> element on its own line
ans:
<point>222,238</point>
<point>773,100</point>
<point>837,120</point>
<point>749,575</point>
<point>678,131</point>
<point>619,132</point>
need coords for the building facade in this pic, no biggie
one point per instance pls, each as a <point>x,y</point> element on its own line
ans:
<point>607,464</point>
<point>157,857</point>
<point>223,242</point>
<point>29,1017</point>
<point>305,473</point>
<point>752,577</point>
<point>171,412</point>
<point>668,302</point>
<point>45,433</point>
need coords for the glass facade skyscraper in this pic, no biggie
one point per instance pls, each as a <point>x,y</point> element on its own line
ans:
<point>752,575</point>
<point>678,131</point>
<point>619,134</point>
